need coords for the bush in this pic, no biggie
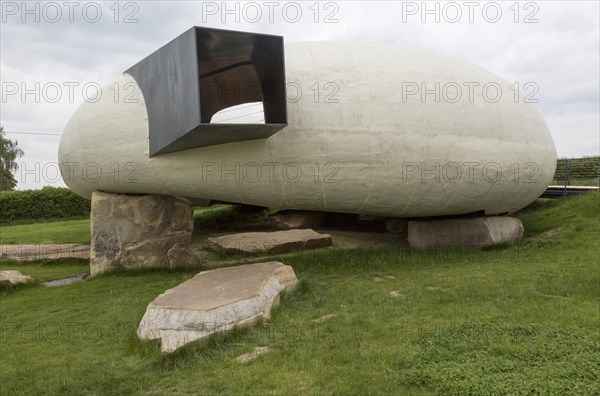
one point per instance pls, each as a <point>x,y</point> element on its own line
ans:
<point>49,202</point>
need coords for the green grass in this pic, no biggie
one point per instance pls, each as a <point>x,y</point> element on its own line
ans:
<point>71,231</point>
<point>45,270</point>
<point>577,181</point>
<point>514,321</point>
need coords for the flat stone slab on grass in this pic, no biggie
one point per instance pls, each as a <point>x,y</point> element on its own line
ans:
<point>66,281</point>
<point>324,318</point>
<point>14,277</point>
<point>245,358</point>
<point>215,301</point>
<point>269,242</point>
<point>38,252</point>
<point>471,232</point>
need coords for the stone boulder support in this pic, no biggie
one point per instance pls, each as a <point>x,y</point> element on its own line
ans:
<point>215,301</point>
<point>474,232</point>
<point>397,226</point>
<point>293,219</point>
<point>140,231</point>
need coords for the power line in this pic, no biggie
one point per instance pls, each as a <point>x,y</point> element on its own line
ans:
<point>60,134</point>
<point>238,107</point>
<point>241,116</point>
<point>33,133</point>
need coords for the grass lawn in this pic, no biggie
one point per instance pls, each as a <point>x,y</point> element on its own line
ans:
<point>70,231</point>
<point>515,321</point>
<point>78,231</point>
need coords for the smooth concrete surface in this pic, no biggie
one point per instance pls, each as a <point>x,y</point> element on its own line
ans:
<point>363,136</point>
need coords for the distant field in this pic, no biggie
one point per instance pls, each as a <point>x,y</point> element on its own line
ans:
<point>516,321</point>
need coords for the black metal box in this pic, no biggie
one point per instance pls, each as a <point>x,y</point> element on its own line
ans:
<point>203,71</point>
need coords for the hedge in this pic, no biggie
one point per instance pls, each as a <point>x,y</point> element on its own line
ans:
<point>579,168</point>
<point>49,202</point>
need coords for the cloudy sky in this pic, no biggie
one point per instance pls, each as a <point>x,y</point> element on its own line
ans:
<point>51,51</point>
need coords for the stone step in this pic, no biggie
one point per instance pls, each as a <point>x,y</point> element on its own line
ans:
<point>269,242</point>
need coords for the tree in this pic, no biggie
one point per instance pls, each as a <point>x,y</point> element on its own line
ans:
<point>9,154</point>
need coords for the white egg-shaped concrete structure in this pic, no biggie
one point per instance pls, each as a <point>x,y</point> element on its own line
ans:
<point>373,129</point>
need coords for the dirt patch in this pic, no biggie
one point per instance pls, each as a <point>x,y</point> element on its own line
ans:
<point>549,234</point>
